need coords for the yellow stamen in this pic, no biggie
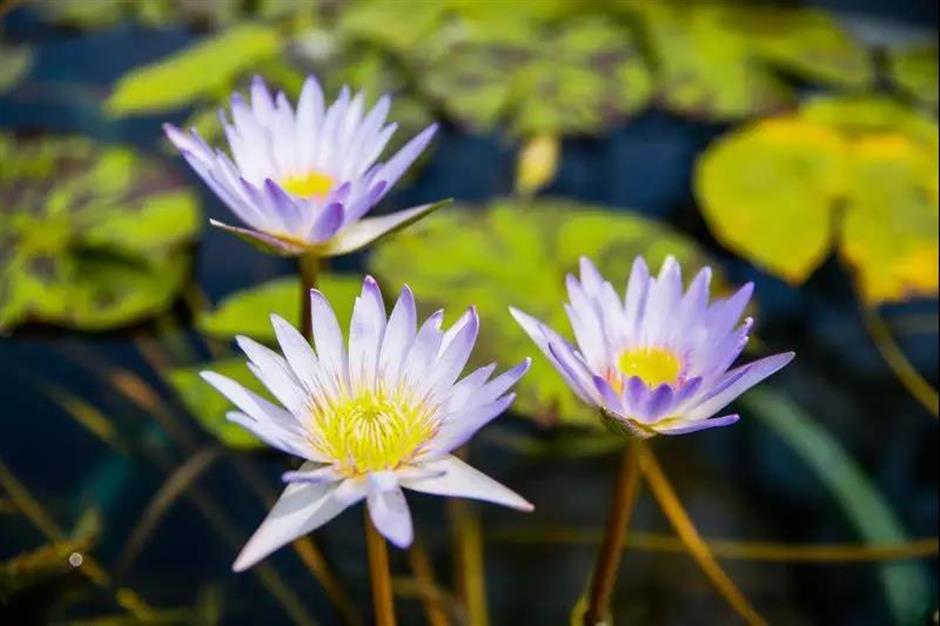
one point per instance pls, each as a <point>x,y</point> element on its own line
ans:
<point>372,432</point>
<point>654,366</point>
<point>309,185</point>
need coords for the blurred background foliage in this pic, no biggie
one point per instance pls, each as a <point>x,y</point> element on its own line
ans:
<point>784,143</point>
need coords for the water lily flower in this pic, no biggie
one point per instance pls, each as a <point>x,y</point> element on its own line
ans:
<point>302,180</point>
<point>367,420</point>
<point>657,361</point>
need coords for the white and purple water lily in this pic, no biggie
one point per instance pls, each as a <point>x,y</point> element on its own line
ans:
<point>657,361</point>
<point>303,179</point>
<point>368,420</point>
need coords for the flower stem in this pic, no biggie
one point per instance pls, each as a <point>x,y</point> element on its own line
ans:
<point>379,574</point>
<point>696,546</point>
<point>309,266</point>
<point>916,384</point>
<point>622,501</point>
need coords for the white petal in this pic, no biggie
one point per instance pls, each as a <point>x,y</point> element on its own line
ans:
<point>399,334</point>
<point>328,338</point>
<point>360,234</point>
<point>462,481</point>
<point>366,329</point>
<point>302,508</point>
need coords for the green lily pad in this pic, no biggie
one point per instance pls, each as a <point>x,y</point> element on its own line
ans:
<point>705,67</point>
<point>580,77</point>
<point>248,312</point>
<point>90,237</point>
<point>771,193</point>
<point>915,71</point>
<point>209,407</point>
<point>517,253</point>
<point>806,42</point>
<point>208,67</point>
<point>15,62</point>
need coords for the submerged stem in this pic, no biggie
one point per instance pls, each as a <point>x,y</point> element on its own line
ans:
<point>379,575</point>
<point>916,384</point>
<point>696,546</point>
<point>309,266</point>
<point>622,501</point>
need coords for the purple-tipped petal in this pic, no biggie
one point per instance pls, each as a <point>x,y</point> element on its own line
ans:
<point>403,159</point>
<point>744,378</point>
<point>328,223</point>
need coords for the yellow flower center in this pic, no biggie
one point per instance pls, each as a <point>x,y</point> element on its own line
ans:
<point>654,366</point>
<point>310,185</point>
<point>372,432</point>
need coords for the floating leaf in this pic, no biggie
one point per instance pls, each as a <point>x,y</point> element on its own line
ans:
<point>890,230</point>
<point>867,510</point>
<point>915,71</point>
<point>767,193</point>
<point>706,68</point>
<point>248,312</point>
<point>806,42</point>
<point>537,163</point>
<point>90,237</point>
<point>579,77</point>
<point>209,407</point>
<point>517,253</point>
<point>203,69</point>
<point>771,193</point>
<point>397,25</point>
<point>15,62</point>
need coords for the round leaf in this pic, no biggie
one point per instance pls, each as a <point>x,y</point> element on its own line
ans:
<point>767,193</point>
<point>517,253</point>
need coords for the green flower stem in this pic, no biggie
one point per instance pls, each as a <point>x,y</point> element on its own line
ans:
<point>622,502</point>
<point>309,269</point>
<point>379,575</point>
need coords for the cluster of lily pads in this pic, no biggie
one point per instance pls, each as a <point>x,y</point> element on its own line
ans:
<point>95,237</point>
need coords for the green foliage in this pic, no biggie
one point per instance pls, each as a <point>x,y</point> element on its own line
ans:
<point>517,253</point>
<point>214,13</point>
<point>15,62</point>
<point>717,59</point>
<point>204,69</point>
<point>90,237</point>
<point>866,509</point>
<point>248,312</point>
<point>771,191</point>
<point>577,78</point>
<point>915,71</point>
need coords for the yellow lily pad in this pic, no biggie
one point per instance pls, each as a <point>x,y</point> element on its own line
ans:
<point>767,193</point>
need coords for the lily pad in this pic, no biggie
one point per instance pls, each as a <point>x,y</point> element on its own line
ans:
<point>771,193</point>
<point>90,237</point>
<point>806,42</point>
<point>767,193</point>
<point>517,253</point>
<point>706,67</point>
<point>580,77</point>
<point>248,312</point>
<point>915,71</point>
<point>206,68</point>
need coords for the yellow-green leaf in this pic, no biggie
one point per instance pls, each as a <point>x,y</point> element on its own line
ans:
<point>248,312</point>
<point>767,193</point>
<point>915,71</point>
<point>202,69</point>
<point>889,233</point>
<point>517,253</point>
